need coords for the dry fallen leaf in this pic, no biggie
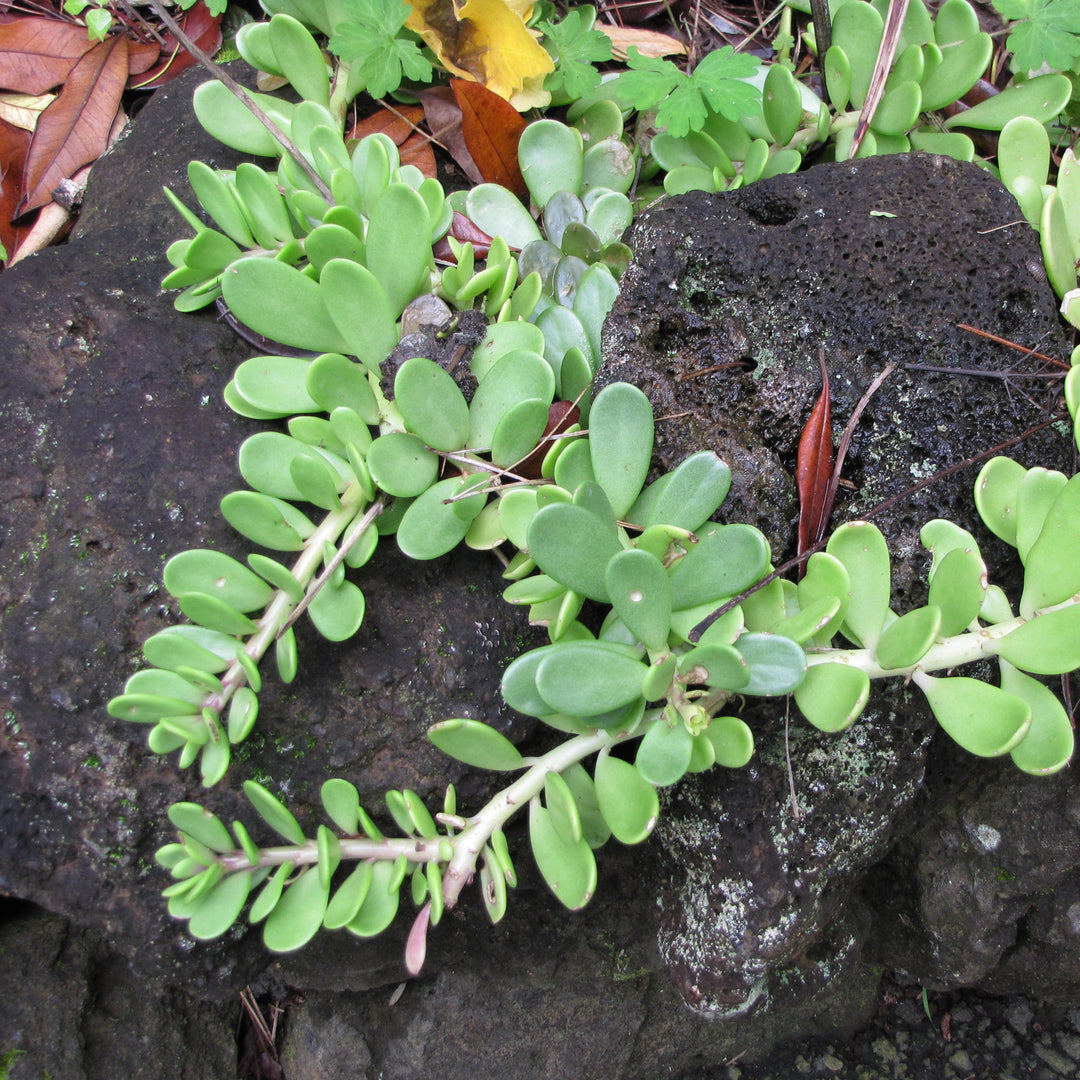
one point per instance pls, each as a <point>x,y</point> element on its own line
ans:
<point>648,42</point>
<point>491,128</point>
<point>37,54</point>
<point>488,42</point>
<point>401,124</point>
<point>74,129</point>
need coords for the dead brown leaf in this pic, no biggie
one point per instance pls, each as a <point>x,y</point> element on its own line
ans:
<point>14,142</point>
<point>23,110</point>
<point>400,124</point>
<point>491,127</point>
<point>444,122</point>
<point>74,129</point>
<point>199,25</point>
<point>38,54</point>
<point>648,42</point>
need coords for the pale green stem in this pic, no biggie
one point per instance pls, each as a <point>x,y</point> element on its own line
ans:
<point>277,611</point>
<point>949,653</point>
<point>467,845</point>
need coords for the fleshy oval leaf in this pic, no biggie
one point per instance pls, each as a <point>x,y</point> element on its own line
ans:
<point>628,802</point>
<point>832,696</point>
<point>476,744</point>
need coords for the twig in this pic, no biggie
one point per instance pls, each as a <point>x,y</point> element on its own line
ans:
<point>796,813</point>
<point>1010,345</point>
<point>373,511</point>
<point>244,97</point>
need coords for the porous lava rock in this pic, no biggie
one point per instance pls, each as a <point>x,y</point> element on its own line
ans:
<point>722,318</point>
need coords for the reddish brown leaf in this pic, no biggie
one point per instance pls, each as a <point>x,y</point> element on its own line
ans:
<point>38,54</point>
<point>14,142</point>
<point>444,122</point>
<point>142,55</point>
<point>400,124</point>
<point>199,25</point>
<point>74,129</point>
<point>491,127</point>
<point>461,228</point>
<point>814,470</point>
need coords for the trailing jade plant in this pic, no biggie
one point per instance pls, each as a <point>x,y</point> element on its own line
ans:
<point>661,621</point>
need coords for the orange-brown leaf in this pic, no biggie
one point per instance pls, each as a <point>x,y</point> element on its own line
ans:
<point>400,124</point>
<point>38,54</point>
<point>74,129</point>
<point>142,55</point>
<point>491,127</point>
<point>814,471</point>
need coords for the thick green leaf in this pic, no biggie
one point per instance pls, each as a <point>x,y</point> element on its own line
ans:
<point>588,678</point>
<point>357,305</point>
<point>997,489</point>
<point>1049,743</point>
<point>350,895</point>
<point>627,800</point>
<point>663,755</point>
<point>1052,565</point>
<point>268,521</point>
<point>957,589</point>
<point>573,545</point>
<point>568,868</point>
<point>401,464</point>
<point>432,405</point>
<point>1041,98</point>
<point>832,696</point>
<point>732,740</point>
<point>499,213</point>
<point>379,906</point>
<point>215,614</point>
<point>266,461</point>
<point>865,556</point>
<point>640,592</point>
<point>216,574</point>
<point>398,243</point>
<point>777,664</point>
<point>341,801</point>
<point>271,893</point>
<point>984,720</point>
<point>593,827</point>
<point>191,646</point>
<point>276,384</point>
<point>959,70</point>
<point>519,683</point>
<point>298,915</point>
<point>316,481</point>
<point>201,825</point>
<point>274,813</point>
<point>334,381</point>
<point>513,378</point>
<point>726,560</point>
<point>232,123</point>
<point>551,157</point>
<point>721,666</point>
<point>562,809</point>
<point>337,610</point>
<point>518,432</point>
<point>477,744</point>
<point>280,303</point>
<point>438,520</point>
<point>243,712</point>
<point>687,496</point>
<point>220,908</point>
<point>620,443</point>
<point>1047,645</point>
<point>905,642</point>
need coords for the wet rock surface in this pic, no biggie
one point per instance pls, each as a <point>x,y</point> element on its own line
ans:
<point>117,450</point>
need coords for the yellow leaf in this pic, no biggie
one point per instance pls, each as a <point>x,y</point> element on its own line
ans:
<point>488,42</point>
<point>23,110</point>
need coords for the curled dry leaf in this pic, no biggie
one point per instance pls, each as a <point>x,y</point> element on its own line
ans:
<point>74,129</point>
<point>443,116</point>
<point>23,110</point>
<point>814,470</point>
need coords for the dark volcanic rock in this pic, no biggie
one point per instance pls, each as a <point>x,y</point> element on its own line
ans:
<point>720,320</point>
